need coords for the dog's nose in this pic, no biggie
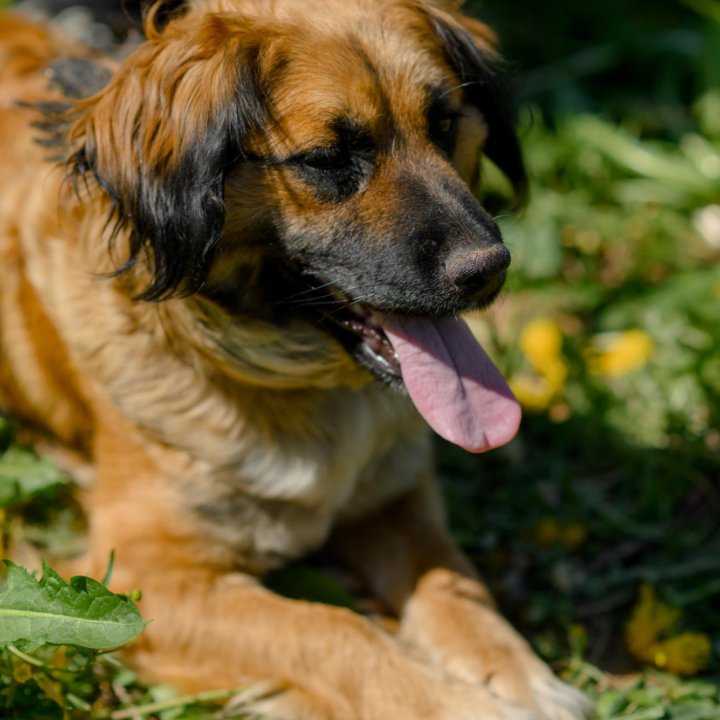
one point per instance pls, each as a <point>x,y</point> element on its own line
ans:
<point>475,271</point>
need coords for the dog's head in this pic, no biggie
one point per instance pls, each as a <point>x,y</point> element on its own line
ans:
<point>308,163</point>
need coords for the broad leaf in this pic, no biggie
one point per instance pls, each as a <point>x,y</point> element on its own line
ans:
<point>81,612</point>
<point>23,476</point>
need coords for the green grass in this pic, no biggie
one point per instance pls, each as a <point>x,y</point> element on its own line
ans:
<point>614,481</point>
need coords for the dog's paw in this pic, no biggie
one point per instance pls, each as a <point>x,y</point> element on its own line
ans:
<point>549,699</point>
<point>557,700</point>
<point>532,683</point>
<point>453,627</point>
<point>419,693</point>
<point>476,703</point>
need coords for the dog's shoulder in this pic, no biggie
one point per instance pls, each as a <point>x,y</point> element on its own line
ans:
<point>25,46</point>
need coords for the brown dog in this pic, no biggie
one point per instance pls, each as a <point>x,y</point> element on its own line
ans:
<point>259,238</point>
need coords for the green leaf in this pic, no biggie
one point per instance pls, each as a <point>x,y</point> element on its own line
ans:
<point>23,476</point>
<point>611,703</point>
<point>642,158</point>
<point>82,612</point>
<point>699,710</point>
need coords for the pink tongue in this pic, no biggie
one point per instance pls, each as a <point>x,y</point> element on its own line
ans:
<point>453,382</point>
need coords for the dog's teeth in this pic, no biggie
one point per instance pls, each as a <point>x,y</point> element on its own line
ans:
<point>368,325</point>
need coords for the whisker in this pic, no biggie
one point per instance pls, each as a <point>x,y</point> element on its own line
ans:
<point>307,291</point>
<point>361,299</point>
<point>461,86</point>
<point>304,300</point>
<point>319,303</point>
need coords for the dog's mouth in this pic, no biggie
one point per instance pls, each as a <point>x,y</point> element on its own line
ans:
<point>448,375</point>
<point>360,329</point>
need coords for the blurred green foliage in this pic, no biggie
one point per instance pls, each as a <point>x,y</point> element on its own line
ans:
<point>632,60</point>
<point>614,480</point>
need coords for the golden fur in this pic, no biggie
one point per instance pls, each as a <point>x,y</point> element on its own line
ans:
<point>218,445</point>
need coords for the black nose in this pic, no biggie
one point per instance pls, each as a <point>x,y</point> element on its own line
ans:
<point>478,272</point>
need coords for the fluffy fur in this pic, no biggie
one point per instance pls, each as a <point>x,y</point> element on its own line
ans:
<point>167,297</point>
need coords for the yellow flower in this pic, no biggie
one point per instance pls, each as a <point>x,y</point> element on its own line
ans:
<point>683,654</point>
<point>578,638</point>
<point>651,618</point>
<point>547,532</point>
<point>541,343</point>
<point>22,672</point>
<point>533,393</point>
<point>555,373</point>
<point>620,353</point>
<point>574,534</point>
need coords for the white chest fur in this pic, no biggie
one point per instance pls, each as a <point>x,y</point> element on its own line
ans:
<point>280,491</point>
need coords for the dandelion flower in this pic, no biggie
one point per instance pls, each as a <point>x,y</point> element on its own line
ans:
<point>22,672</point>
<point>578,639</point>
<point>622,353</point>
<point>651,618</point>
<point>547,532</point>
<point>533,393</point>
<point>541,344</point>
<point>574,534</point>
<point>648,636</point>
<point>684,654</point>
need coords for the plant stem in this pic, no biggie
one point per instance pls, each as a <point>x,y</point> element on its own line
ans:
<point>203,697</point>
<point>29,659</point>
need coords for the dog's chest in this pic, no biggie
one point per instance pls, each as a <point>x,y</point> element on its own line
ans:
<point>285,491</point>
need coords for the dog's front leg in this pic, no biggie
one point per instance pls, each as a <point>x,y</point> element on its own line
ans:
<point>410,562</point>
<point>329,663</point>
<point>215,627</point>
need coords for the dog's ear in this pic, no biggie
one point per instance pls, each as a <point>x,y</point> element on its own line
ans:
<point>159,138</point>
<point>157,13</point>
<point>469,46</point>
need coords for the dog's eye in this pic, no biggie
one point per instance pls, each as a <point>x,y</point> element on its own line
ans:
<point>337,171</point>
<point>443,129</point>
<point>326,158</point>
<point>444,126</point>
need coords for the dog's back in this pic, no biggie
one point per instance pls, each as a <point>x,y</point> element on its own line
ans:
<point>36,381</point>
<point>25,47</point>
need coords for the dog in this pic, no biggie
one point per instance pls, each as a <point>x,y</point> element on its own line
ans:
<point>231,268</point>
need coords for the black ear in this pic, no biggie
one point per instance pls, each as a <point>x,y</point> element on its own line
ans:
<point>486,88</point>
<point>177,214</point>
<point>159,140</point>
<point>159,12</point>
